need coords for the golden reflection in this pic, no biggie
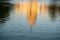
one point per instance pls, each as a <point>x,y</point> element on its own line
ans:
<point>31,9</point>
<point>20,8</point>
<point>32,13</point>
<point>43,8</point>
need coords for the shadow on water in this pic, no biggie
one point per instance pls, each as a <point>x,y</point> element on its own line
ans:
<point>53,9</point>
<point>4,12</point>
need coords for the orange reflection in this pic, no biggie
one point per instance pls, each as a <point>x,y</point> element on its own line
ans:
<point>31,9</point>
<point>20,8</point>
<point>32,13</point>
<point>43,8</point>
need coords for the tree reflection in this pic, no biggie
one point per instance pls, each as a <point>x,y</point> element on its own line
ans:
<point>52,12</point>
<point>4,12</point>
<point>53,9</point>
<point>58,8</point>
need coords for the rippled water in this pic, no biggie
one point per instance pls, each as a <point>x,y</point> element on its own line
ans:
<point>30,20</point>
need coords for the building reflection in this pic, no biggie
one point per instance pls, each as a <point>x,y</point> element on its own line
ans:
<point>30,8</point>
<point>32,13</point>
<point>4,12</point>
<point>43,8</point>
<point>33,8</point>
<point>20,8</point>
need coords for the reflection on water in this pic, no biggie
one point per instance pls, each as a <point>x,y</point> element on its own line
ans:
<point>53,11</point>
<point>31,13</point>
<point>4,12</point>
<point>33,9</point>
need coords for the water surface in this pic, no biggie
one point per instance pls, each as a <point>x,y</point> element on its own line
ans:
<point>29,20</point>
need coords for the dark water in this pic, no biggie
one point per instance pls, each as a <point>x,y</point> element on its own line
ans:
<point>37,20</point>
